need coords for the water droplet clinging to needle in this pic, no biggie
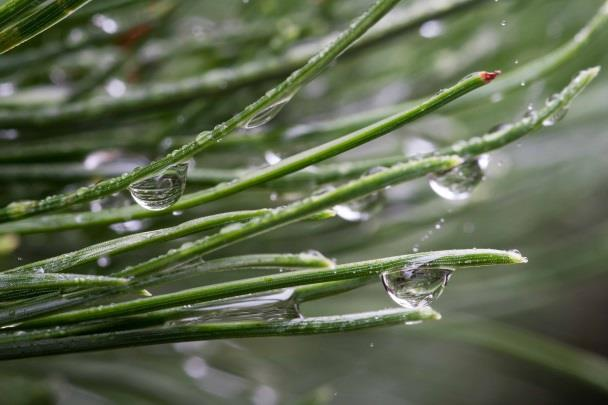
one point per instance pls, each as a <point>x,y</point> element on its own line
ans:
<point>160,191</point>
<point>459,182</point>
<point>417,286</point>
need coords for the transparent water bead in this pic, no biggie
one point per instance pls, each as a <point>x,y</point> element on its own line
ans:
<point>360,209</point>
<point>161,191</point>
<point>267,307</point>
<point>459,182</point>
<point>414,287</point>
<point>268,113</point>
<point>557,115</point>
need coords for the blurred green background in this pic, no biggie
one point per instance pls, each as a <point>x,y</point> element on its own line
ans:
<point>545,196</point>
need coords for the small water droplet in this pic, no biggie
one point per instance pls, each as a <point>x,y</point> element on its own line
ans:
<point>268,113</point>
<point>530,113</point>
<point>116,88</point>
<point>161,191</point>
<point>106,24</point>
<point>459,182</point>
<point>503,23</point>
<point>7,89</point>
<point>103,261</point>
<point>360,209</point>
<point>9,134</point>
<point>558,115</point>
<point>496,97</point>
<point>415,287</point>
<point>271,158</point>
<point>417,146</point>
<point>431,29</point>
<point>195,367</point>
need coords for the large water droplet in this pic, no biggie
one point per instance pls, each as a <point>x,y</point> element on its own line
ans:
<point>268,113</point>
<point>459,182</point>
<point>415,287</point>
<point>161,191</point>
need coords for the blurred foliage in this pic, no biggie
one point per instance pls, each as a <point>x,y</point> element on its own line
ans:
<point>544,196</point>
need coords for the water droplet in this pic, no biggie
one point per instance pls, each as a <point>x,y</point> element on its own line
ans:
<point>459,182</point>
<point>9,134</point>
<point>496,97</point>
<point>360,209</point>
<point>268,113</point>
<point>106,24</point>
<point>431,29</point>
<point>116,88</point>
<point>276,306</point>
<point>271,158</point>
<point>558,115</point>
<point>235,226</point>
<point>415,287</point>
<point>195,367</point>
<point>161,191</point>
<point>103,261</point>
<point>417,146</point>
<point>503,23</point>
<point>7,89</point>
<point>128,226</point>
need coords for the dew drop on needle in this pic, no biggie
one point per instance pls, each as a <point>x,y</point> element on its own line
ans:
<point>413,287</point>
<point>558,115</point>
<point>459,182</point>
<point>160,191</point>
<point>267,113</point>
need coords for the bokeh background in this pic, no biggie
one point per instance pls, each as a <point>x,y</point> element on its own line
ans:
<point>545,195</point>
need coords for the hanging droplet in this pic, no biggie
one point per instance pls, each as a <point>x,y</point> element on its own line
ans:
<point>360,209</point>
<point>161,191</point>
<point>415,287</point>
<point>267,113</point>
<point>459,182</point>
<point>557,115</point>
